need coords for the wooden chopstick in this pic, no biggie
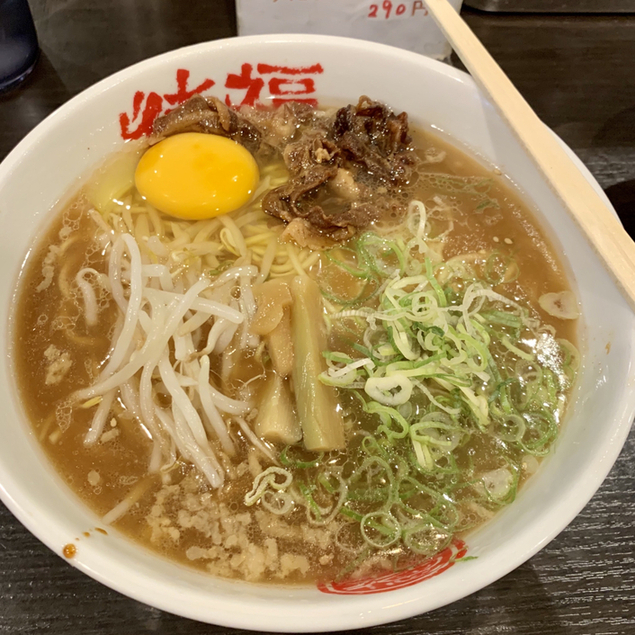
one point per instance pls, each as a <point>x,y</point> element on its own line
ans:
<point>595,219</point>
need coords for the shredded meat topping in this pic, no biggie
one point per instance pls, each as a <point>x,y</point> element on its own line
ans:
<point>346,170</point>
<point>372,136</point>
<point>345,176</point>
<point>208,115</point>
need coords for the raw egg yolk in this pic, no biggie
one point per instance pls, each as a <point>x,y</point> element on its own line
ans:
<point>196,176</point>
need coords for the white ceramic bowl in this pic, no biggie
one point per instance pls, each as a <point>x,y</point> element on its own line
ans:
<point>51,159</point>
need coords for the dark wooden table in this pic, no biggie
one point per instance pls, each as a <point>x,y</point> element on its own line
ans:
<point>579,75</point>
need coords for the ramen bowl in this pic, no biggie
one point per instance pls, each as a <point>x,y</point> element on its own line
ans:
<point>61,152</point>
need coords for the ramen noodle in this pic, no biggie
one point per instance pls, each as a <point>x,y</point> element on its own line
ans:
<point>324,356</point>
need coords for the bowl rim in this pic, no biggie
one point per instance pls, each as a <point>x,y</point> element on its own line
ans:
<point>11,491</point>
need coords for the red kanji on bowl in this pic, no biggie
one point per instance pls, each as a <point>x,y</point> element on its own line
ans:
<point>153,105</point>
<point>400,579</point>
<point>285,83</point>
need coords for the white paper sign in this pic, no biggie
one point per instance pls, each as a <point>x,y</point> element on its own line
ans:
<point>402,23</point>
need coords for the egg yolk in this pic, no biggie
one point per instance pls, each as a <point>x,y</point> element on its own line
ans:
<point>195,176</point>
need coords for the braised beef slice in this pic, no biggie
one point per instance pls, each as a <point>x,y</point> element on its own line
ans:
<point>207,115</point>
<point>285,202</point>
<point>346,176</point>
<point>312,149</point>
<point>280,126</point>
<point>372,136</point>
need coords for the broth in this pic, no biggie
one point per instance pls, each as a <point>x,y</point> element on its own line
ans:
<point>175,511</point>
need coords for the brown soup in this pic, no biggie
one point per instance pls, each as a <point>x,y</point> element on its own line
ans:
<point>441,407</point>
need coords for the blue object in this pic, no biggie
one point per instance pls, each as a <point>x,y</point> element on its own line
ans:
<point>18,43</point>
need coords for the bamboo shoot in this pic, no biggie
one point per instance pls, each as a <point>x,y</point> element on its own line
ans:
<point>276,420</point>
<point>318,412</point>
